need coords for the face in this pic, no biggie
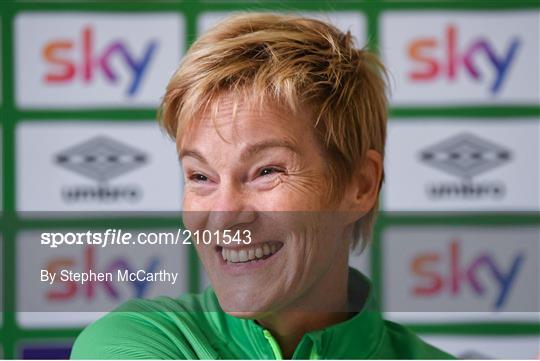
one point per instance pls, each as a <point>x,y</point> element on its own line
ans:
<point>262,174</point>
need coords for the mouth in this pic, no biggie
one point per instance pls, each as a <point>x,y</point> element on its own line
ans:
<point>249,254</point>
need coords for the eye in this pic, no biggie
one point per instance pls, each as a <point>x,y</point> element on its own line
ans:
<point>197,177</point>
<point>269,170</point>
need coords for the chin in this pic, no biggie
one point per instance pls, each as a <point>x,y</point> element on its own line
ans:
<point>243,304</point>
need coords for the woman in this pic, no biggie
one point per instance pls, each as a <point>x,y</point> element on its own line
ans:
<point>280,124</point>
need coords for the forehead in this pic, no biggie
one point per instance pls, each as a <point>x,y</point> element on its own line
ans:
<point>235,120</point>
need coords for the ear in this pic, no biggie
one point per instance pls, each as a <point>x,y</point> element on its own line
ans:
<point>365,183</point>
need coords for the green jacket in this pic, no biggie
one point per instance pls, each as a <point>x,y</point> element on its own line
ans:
<point>195,327</point>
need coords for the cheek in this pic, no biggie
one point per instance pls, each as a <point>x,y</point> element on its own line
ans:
<point>306,191</point>
<point>191,201</point>
<point>206,257</point>
<point>308,240</point>
<point>204,252</point>
<point>194,219</point>
<point>319,241</point>
<point>291,196</point>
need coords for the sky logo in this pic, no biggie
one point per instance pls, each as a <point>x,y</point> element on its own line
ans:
<point>460,58</point>
<point>439,273</point>
<point>62,67</point>
<point>68,290</point>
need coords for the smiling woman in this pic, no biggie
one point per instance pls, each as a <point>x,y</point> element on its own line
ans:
<point>280,125</point>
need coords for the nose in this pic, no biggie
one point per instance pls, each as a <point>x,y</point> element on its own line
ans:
<point>231,208</point>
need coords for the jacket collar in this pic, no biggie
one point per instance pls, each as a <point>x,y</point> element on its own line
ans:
<point>355,338</point>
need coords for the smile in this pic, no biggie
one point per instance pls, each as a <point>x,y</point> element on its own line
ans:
<point>251,253</point>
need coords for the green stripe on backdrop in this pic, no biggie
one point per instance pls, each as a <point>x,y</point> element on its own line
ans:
<point>10,333</point>
<point>477,329</point>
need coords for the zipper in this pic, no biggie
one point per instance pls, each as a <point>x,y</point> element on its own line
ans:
<point>277,351</point>
<point>273,345</point>
<point>313,354</point>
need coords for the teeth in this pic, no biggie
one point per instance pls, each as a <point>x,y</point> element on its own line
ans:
<point>233,256</point>
<point>242,256</point>
<point>249,254</point>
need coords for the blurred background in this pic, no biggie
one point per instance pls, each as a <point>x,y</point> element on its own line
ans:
<point>456,248</point>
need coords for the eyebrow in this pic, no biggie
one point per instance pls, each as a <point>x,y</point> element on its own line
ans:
<point>192,153</point>
<point>250,151</point>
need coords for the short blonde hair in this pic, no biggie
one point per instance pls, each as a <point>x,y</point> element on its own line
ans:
<point>296,61</point>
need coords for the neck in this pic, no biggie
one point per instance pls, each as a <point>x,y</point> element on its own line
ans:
<point>289,328</point>
<point>325,305</point>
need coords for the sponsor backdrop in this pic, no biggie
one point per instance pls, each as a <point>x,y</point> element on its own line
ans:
<point>456,249</point>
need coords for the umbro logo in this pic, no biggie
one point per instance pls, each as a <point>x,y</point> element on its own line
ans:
<point>101,159</point>
<point>466,156</point>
